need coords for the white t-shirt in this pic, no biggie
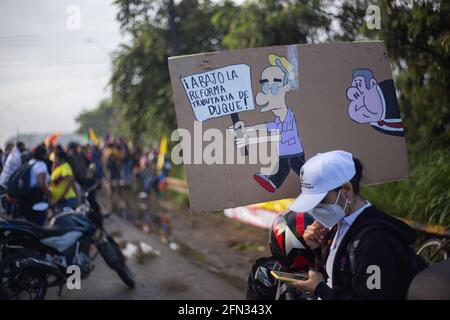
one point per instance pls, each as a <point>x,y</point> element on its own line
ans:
<point>12,163</point>
<point>38,168</point>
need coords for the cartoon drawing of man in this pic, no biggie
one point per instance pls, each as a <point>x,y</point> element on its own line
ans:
<point>276,81</point>
<point>374,103</point>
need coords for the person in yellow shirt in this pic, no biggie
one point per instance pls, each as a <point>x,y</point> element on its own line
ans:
<point>62,182</point>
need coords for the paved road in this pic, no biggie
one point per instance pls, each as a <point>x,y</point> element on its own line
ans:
<point>169,276</point>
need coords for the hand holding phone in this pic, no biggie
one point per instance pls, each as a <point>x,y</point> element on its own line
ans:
<point>289,277</point>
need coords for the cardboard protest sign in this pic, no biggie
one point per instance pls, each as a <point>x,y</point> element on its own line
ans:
<point>283,104</point>
<point>219,92</point>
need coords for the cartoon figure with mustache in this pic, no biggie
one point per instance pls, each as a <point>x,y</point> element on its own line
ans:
<point>374,103</point>
<point>276,81</point>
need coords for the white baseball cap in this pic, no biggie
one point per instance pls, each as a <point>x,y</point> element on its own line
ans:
<point>319,175</point>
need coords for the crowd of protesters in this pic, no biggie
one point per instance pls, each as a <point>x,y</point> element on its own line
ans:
<point>134,167</point>
<point>58,175</point>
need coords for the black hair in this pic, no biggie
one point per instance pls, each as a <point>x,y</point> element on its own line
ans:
<point>72,145</point>
<point>355,181</point>
<point>39,152</point>
<point>61,154</point>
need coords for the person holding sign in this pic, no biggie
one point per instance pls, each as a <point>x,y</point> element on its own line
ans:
<point>276,81</point>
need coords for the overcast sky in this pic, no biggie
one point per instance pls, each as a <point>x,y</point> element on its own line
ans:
<point>49,72</point>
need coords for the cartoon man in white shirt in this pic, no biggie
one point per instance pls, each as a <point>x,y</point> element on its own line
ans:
<point>276,81</point>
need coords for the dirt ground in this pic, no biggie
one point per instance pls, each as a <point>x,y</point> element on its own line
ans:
<point>223,245</point>
<point>167,276</point>
<point>229,245</point>
<point>199,253</point>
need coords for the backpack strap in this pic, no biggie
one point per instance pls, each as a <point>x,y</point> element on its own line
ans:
<point>351,248</point>
<point>353,245</point>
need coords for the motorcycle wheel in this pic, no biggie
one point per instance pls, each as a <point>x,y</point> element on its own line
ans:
<point>125,275</point>
<point>110,251</point>
<point>18,283</point>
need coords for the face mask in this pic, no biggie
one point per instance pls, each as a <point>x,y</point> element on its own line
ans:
<point>329,214</point>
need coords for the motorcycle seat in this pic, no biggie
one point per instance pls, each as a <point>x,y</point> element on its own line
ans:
<point>41,232</point>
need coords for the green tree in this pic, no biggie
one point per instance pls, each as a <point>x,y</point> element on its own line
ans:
<point>101,119</point>
<point>158,29</point>
<point>273,22</point>
<point>417,37</point>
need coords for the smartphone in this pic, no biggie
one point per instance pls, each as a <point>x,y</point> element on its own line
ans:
<point>289,277</point>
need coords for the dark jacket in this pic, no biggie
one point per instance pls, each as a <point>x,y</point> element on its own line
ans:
<point>376,239</point>
<point>79,165</point>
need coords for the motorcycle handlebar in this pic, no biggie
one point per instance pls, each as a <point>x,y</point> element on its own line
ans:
<point>92,188</point>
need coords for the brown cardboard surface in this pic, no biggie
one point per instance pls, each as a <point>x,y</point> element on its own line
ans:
<point>320,105</point>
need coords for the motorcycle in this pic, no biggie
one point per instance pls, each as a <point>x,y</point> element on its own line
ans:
<point>261,285</point>
<point>33,258</point>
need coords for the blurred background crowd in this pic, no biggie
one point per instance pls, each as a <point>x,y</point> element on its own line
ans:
<point>57,175</point>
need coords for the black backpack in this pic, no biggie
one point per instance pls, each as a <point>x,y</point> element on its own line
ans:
<point>18,185</point>
<point>416,263</point>
<point>79,168</point>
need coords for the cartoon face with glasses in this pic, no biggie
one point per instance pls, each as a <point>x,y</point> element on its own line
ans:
<point>276,81</point>
<point>275,85</point>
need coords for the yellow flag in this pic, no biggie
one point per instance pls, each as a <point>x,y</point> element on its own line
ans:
<point>162,152</point>
<point>93,136</point>
<point>52,156</point>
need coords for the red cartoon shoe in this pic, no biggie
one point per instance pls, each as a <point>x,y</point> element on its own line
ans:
<point>265,182</point>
